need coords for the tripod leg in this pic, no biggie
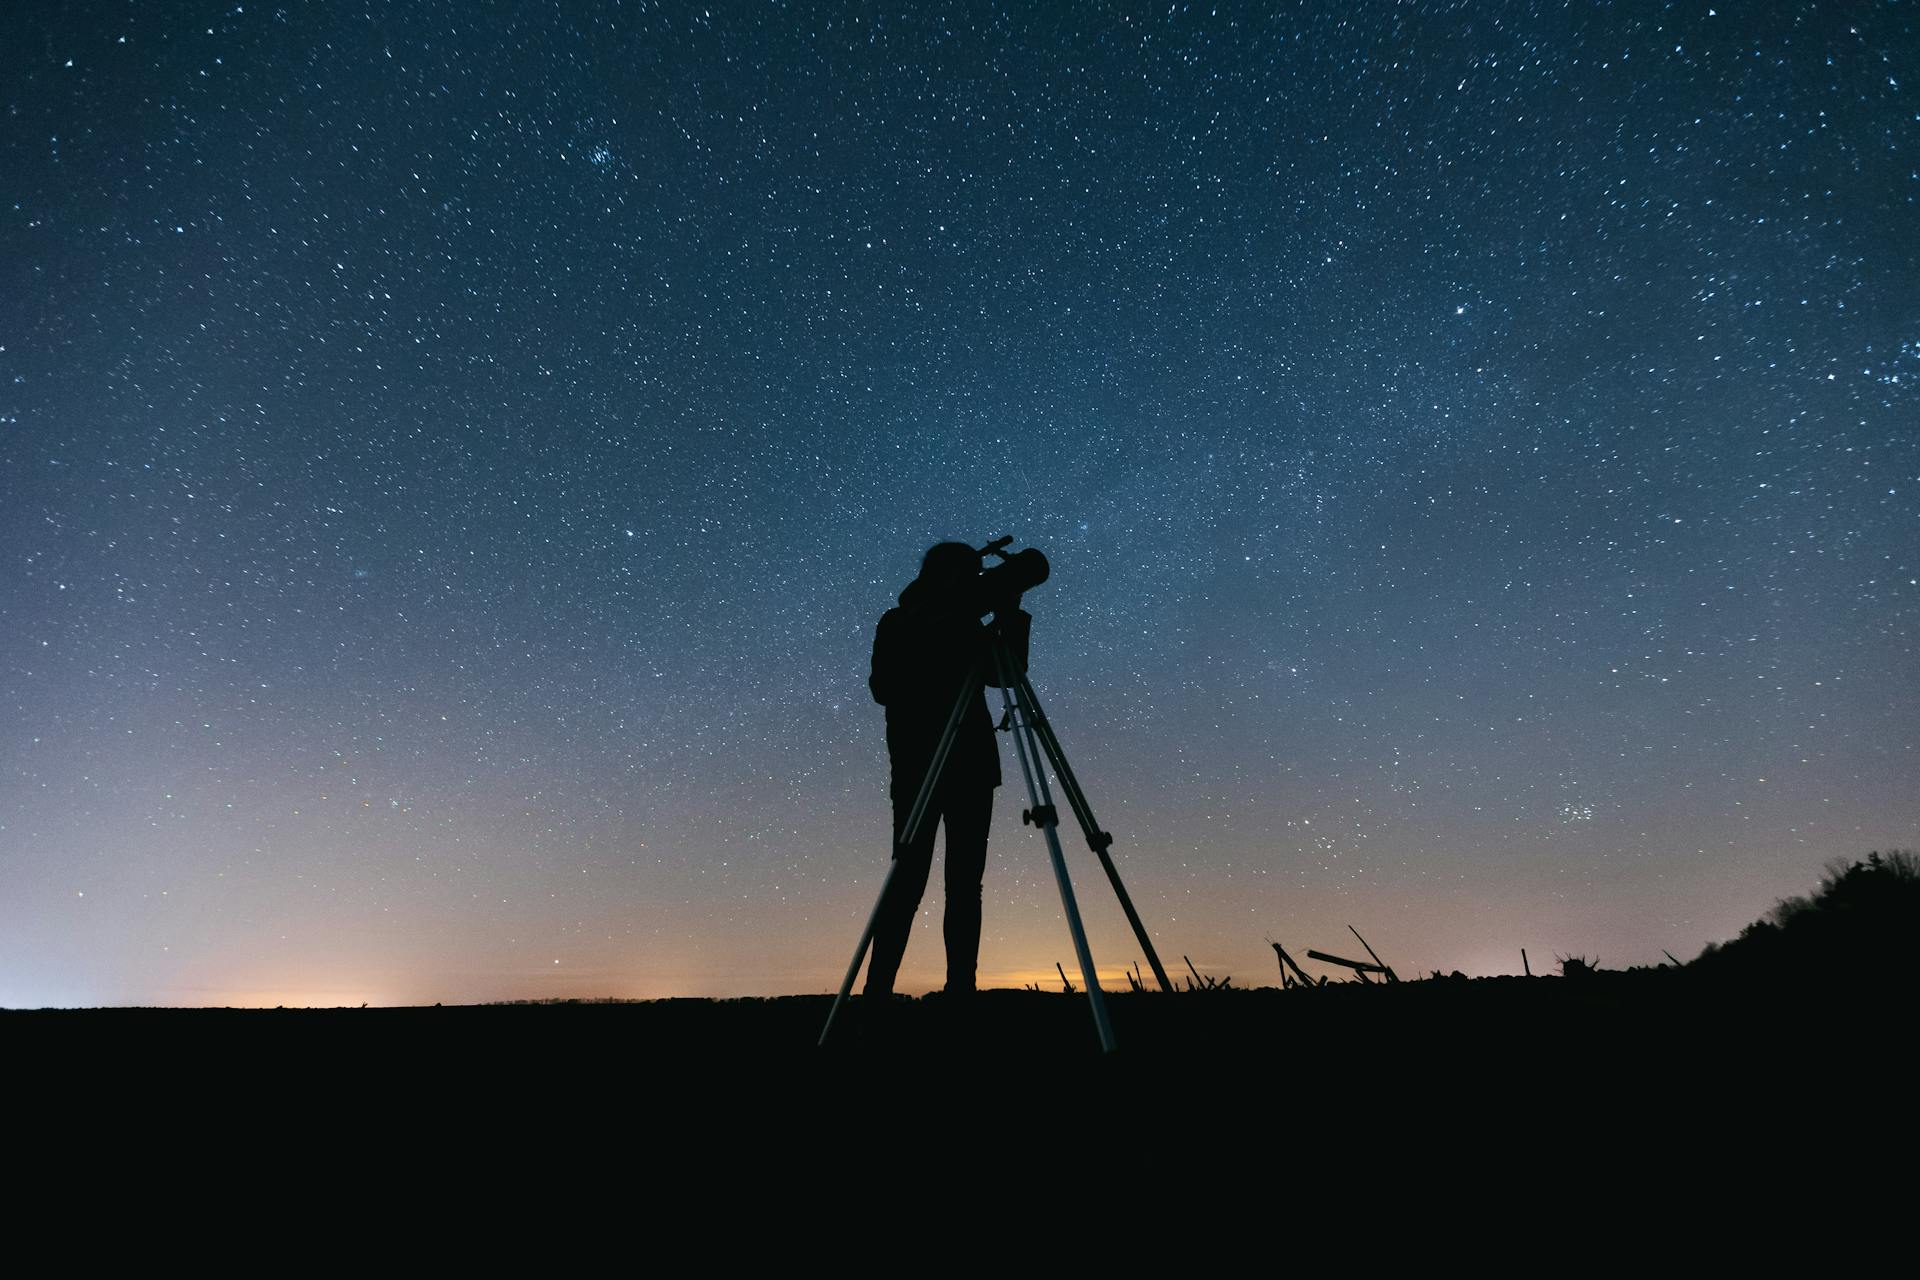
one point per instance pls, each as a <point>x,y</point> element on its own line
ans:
<point>859,952</point>
<point>1043,817</point>
<point>1097,839</point>
<point>903,838</point>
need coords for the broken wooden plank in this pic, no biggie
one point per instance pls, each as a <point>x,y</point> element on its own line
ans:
<point>1287,962</point>
<point>1384,968</point>
<point>1358,966</point>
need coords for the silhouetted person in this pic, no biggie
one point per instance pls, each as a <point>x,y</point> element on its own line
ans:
<point>923,652</point>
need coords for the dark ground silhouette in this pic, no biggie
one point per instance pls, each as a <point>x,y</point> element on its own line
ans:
<point>1787,1018</point>
<point>1856,928</point>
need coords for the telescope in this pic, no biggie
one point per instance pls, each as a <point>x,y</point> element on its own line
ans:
<point>999,589</point>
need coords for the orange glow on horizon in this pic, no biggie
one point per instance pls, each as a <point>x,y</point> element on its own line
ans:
<point>270,998</point>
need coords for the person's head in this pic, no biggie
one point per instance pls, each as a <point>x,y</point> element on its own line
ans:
<point>948,563</point>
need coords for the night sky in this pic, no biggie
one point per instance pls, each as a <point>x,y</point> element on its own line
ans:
<point>453,458</point>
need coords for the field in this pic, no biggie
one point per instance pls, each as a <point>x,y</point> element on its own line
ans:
<point>1611,1028</point>
<point>1632,1089</point>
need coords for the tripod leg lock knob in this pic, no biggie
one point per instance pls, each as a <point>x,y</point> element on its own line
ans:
<point>1043,815</point>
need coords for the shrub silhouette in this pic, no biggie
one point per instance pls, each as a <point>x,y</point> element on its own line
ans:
<point>1853,926</point>
<point>1578,966</point>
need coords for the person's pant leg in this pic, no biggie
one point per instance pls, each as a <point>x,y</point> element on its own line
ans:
<point>894,921</point>
<point>968,815</point>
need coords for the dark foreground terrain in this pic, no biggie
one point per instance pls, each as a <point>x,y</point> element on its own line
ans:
<point>1654,1093</point>
<point>1598,1036</point>
<point>1759,1098</point>
<point>1786,1049</point>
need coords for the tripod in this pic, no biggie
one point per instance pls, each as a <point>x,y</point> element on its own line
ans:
<point>1033,737</point>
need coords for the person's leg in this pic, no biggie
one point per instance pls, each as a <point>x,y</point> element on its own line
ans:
<point>968,816</point>
<point>909,884</point>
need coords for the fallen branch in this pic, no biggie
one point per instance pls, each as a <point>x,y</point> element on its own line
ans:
<point>1358,966</point>
<point>1286,963</point>
<point>1391,975</point>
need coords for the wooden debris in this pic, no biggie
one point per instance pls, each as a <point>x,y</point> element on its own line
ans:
<point>1200,982</point>
<point>1391,975</point>
<point>1360,967</point>
<point>1286,963</point>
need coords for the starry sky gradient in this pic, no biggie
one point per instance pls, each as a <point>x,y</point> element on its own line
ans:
<point>453,457</point>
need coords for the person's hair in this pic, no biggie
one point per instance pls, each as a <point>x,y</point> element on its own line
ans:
<point>949,559</point>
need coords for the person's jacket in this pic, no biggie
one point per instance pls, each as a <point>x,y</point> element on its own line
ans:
<point>922,652</point>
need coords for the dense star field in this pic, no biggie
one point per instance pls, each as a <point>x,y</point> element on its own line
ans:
<point>453,458</point>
